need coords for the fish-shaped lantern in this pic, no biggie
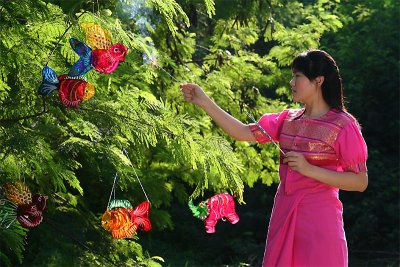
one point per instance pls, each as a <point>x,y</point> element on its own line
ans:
<point>21,206</point>
<point>97,52</point>
<point>19,193</point>
<point>71,90</point>
<point>123,221</point>
<point>31,215</point>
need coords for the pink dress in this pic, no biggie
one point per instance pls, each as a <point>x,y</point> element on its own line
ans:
<point>306,225</point>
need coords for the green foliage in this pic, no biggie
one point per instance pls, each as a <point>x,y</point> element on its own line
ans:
<point>12,244</point>
<point>210,6</point>
<point>170,13</point>
<point>238,51</point>
<point>367,51</point>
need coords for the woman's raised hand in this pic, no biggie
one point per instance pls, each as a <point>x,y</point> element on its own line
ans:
<point>233,127</point>
<point>193,93</point>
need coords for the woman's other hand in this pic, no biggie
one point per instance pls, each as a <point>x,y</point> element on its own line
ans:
<point>297,162</point>
<point>348,181</point>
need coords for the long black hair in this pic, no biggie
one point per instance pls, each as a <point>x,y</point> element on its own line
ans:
<point>314,63</point>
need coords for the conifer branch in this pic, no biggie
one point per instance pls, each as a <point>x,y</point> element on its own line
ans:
<point>200,60</point>
<point>125,117</point>
<point>80,243</point>
<point>17,119</point>
<point>62,35</point>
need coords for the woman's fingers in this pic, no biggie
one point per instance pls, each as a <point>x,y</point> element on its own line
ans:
<point>291,158</point>
<point>291,154</point>
<point>296,161</point>
<point>193,93</point>
<point>291,161</point>
<point>187,94</point>
<point>187,97</point>
<point>186,90</point>
<point>288,157</point>
<point>188,86</point>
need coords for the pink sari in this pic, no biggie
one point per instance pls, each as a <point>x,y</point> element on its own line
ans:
<point>306,225</point>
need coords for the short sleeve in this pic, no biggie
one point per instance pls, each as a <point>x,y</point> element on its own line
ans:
<point>352,149</point>
<point>272,123</point>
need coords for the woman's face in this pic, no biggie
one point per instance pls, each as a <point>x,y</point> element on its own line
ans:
<point>303,89</point>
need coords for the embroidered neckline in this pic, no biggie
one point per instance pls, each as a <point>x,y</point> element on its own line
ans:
<point>316,118</point>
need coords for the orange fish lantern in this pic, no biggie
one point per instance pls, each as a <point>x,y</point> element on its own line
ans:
<point>119,223</point>
<point>123,221</point>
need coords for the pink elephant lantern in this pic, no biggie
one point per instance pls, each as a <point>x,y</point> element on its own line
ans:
<point>220,206</point>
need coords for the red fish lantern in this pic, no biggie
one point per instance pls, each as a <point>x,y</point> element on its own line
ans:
<point>123,221</point>
<point>217,207</point>
<point>27,210</point>
<point>98,53</point>
<point>71,90</point>
<point>31,215</point>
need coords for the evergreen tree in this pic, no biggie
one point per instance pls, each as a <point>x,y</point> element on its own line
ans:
<point>239,51</point>
<point>71,155</point>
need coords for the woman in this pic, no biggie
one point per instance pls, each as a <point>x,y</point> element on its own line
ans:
<point>324,152</point>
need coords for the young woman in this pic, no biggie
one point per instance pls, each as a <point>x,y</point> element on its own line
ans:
<point>324,152</point>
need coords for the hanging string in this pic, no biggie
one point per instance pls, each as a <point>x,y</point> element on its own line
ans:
<point>170,75</point>
<point>59,39</point>
<point>265,132</point>
<point>153,62</point>
<point>112,190</point>
<point>137,177</point>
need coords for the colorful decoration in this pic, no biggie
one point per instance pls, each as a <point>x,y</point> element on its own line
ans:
<point>120,218</point>
<point>71,90</point>
<point>18,192</point>
<point>217,207</point>
<point>123,221</point>
<point>31,215</point>
<point>120,203</point>
<point>21,206</point>
<point>200,211</point>
<point>101,55</point>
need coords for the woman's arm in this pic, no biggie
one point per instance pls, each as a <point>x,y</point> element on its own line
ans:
<point>348,181</point>
<point>194,94</point>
